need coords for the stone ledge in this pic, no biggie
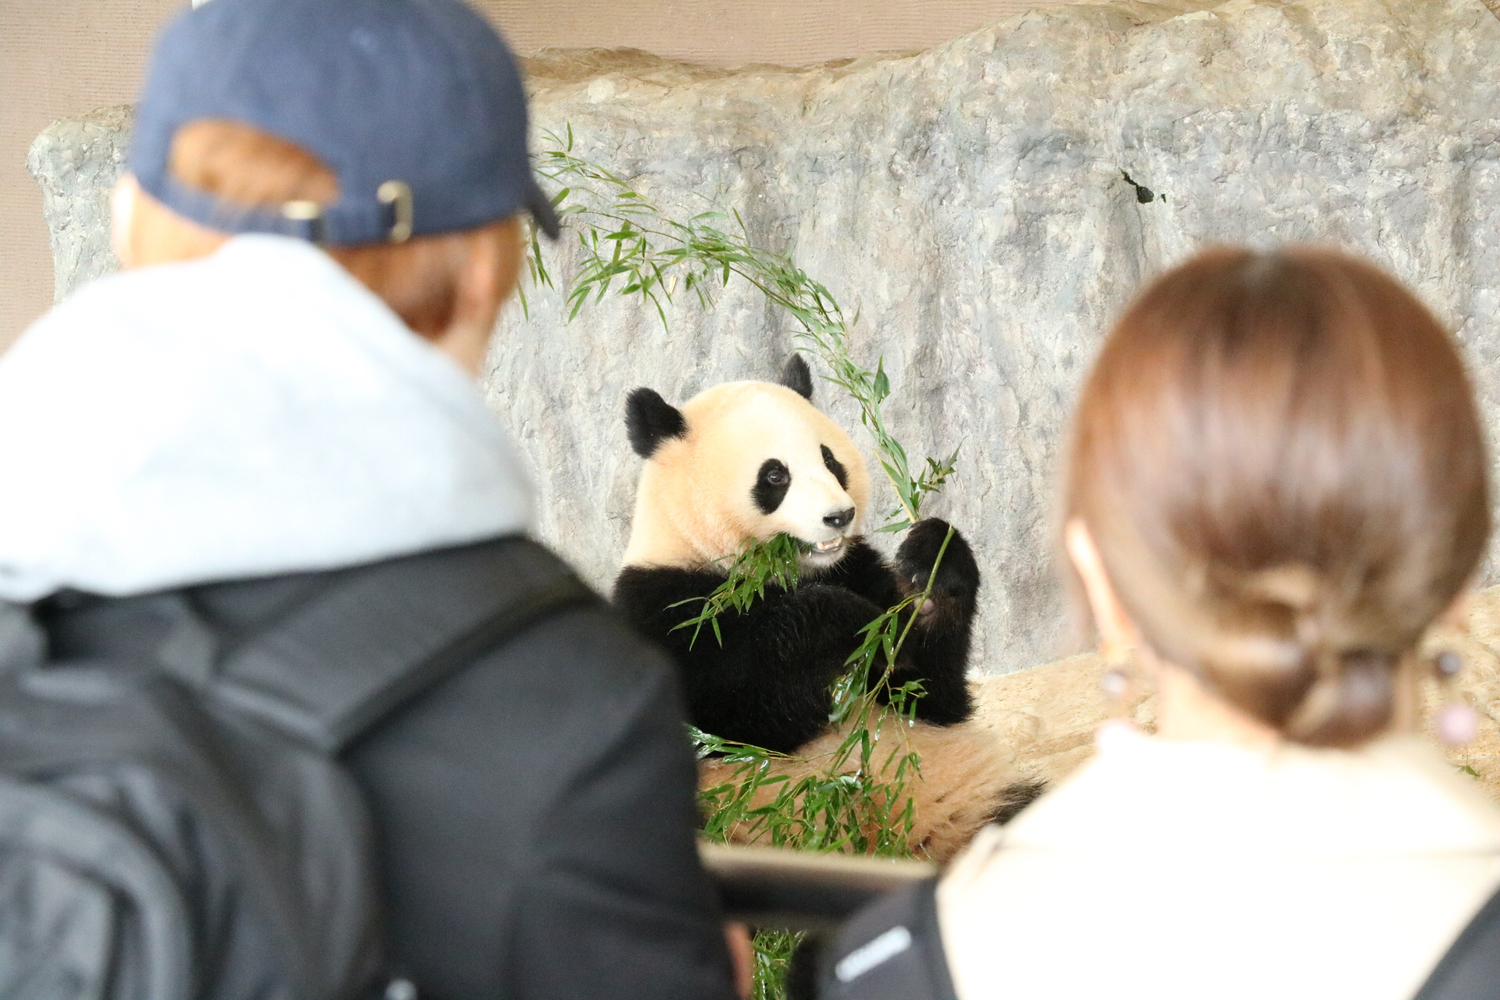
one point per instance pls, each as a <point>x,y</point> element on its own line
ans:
<point>1047,715</point>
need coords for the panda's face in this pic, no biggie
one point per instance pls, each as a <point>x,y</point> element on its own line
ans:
<point>769,462</point>
<point>749,460</point>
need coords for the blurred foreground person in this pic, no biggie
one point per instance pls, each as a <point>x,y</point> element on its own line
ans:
<point>290,706</point>
<point>1276,487</point>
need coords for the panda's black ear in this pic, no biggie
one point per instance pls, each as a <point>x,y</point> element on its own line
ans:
<point>796,377</point>
<point>650,420</point>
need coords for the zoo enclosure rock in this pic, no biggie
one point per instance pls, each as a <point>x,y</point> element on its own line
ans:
<point>76,162</point>
<point>985,208</point>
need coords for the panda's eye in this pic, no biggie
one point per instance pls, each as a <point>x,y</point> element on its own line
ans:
<point>836,467</point>
<point>771,484</point>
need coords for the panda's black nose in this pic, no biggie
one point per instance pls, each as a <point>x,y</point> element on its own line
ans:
<point>840,519</point>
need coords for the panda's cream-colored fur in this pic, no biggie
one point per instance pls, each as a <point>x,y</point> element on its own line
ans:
<point>693,506</point>
<point>967,775</point>
<point>694,509</point>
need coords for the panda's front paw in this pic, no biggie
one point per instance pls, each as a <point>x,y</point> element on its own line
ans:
<point>957,575</point>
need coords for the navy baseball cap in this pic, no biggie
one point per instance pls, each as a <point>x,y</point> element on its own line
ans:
<point>416,106</point>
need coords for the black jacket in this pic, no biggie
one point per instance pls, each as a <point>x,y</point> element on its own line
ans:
<point>534,811</point>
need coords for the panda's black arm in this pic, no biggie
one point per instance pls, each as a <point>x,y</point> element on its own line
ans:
<point>937,653</point>
<point>768,683</point>
<point>937,649</point>
<point>865,572</point>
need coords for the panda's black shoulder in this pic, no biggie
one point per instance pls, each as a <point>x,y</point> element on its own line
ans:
<point>642,593</point>
<point>858,563</point>
<point>864,571</point>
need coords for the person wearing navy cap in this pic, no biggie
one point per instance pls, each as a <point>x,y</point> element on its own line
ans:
<point>324,209</point>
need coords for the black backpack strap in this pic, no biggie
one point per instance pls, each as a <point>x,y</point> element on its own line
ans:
<point>66,871</point>
<point>374,637</point>
<point>890,950</point>
<point>1470,969</point>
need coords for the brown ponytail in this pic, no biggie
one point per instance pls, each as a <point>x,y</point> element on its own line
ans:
<point>1280,460</point>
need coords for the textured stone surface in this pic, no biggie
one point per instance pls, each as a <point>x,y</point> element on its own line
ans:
<point>986,207</point>
<point>971,203</point>
<point>77,161</point>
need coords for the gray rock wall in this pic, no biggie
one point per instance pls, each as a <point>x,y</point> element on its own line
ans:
<point>986,207</point>
<point>76,162</point>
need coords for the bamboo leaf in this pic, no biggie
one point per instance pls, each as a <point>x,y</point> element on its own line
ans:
<point>856,803</point>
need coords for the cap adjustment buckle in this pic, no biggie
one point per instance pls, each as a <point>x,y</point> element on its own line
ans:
<point>310,223</point>
<point>398,194</point>
<point>309,217</point>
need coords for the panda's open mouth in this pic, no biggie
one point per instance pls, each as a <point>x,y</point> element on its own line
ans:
<point>830,546</point>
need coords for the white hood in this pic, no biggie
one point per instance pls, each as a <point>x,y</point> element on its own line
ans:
<point>253,413</point>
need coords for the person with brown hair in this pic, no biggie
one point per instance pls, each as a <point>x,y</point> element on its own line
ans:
<point>253,488</point>
<point>1275,487</point>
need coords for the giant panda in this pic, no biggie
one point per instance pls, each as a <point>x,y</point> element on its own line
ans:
<point>749,460</point>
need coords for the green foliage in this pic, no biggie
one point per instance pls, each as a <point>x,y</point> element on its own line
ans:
<point>773,956</point>
<point>630,243</point>
<point>853,800</point>
<point>773,562</point>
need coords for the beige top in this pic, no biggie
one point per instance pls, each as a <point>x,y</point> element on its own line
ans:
<point>1170,870</point>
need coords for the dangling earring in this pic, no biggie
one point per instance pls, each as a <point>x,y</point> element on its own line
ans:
<point>1116,684</point>
<point>1456,722</point>
<point>1116,680</point>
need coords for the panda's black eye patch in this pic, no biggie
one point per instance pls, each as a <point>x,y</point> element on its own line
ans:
<point>771,484</point>
<point>836,467</point>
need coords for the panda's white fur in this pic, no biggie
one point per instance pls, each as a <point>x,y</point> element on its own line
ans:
<point>694,503</point>
<point>695,509</point>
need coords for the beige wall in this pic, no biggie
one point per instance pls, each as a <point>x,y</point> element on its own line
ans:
<point>64,57</point>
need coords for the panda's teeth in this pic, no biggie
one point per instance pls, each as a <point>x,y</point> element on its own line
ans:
<point>829,546</point>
